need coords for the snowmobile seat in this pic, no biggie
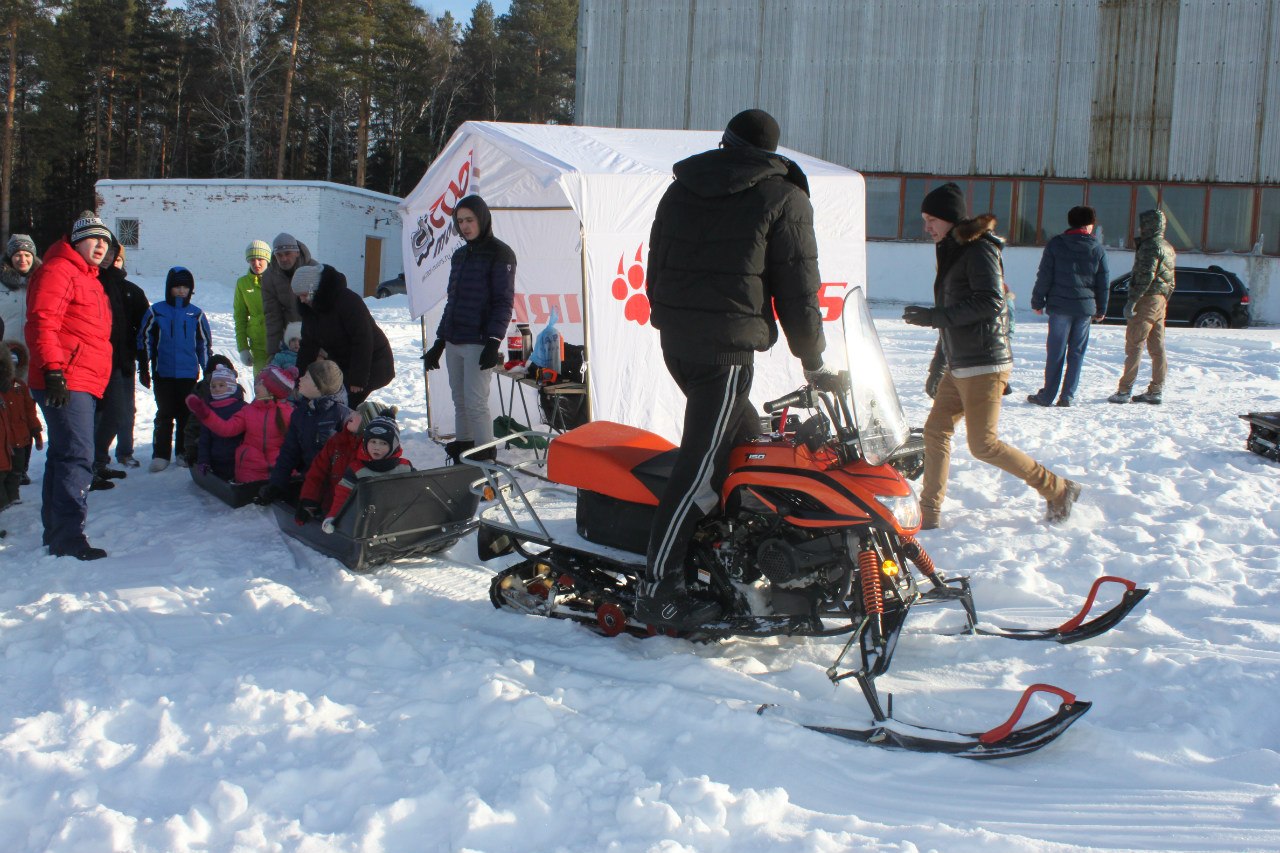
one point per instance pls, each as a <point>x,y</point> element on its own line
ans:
<point>387,518</point>
<point>234,495</point>
<point>619,472</point>
<point>1264,434</point>
<point>612,459</point>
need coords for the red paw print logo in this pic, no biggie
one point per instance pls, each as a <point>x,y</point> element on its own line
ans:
<point>628,288</point>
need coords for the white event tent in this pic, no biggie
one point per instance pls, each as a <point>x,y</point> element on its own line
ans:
<point>576,205</point>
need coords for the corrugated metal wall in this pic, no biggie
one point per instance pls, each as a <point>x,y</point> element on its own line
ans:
<point>1183,90</point>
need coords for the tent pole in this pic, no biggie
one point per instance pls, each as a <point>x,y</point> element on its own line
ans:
<point>426,376</point>
<point>586,323</point>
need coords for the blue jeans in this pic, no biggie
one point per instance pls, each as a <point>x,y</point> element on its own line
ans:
<point>68,471</point>
<point>114,419</point>
<point>1068,340</point>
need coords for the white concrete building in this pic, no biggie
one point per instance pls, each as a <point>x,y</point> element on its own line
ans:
<point>205,225</point>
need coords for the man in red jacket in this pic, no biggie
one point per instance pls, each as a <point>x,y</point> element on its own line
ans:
<point>69,333</point>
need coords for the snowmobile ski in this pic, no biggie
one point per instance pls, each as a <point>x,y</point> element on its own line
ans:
<point>1004,741</point>
<point>1077,628</point>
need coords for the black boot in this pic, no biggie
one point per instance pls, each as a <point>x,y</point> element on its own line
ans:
<point>670,606</point>
<point>454,449</point>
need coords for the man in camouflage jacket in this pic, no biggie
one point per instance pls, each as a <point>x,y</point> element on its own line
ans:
<point>1149,289</point>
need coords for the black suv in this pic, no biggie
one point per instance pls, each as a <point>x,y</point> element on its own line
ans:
<point>1205,297</point>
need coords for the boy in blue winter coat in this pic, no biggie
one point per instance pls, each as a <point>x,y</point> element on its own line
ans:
<point>175,337</point>
<point>315,420</point>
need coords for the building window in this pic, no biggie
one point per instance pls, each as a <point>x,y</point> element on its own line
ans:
<point>127,233</point>
<point>1230,219</point>
<point>1058,199</point>
<point>883,203</point>
<point>1112,206</point>
<point>1269,222</point>
<point>1184,212</point>
<point>1022,229</point>
<point>1213,218</point>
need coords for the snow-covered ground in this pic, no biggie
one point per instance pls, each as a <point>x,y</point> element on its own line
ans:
<point>213,686</point>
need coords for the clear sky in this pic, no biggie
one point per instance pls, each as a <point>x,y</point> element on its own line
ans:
<point>461,9</point>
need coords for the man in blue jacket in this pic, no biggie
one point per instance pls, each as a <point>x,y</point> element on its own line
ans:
<point>1072,285</point>
<point>482,290</point>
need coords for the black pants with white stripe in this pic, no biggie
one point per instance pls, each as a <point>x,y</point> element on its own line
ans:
<point>717,416</point>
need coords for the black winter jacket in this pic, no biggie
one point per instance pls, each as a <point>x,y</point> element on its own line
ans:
<point>129,305</point>
<point>482,285</point>
<point>338,322</point>
<point>968,296</point>
<point>732,243</point>
<point>1073,278</point>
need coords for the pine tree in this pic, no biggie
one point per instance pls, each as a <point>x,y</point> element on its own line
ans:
<point>538,57</point>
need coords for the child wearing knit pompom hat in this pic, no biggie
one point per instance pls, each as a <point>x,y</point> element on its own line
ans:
<point>262,423</point>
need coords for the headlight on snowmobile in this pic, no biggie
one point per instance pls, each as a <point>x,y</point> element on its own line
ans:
<point>905,509</point>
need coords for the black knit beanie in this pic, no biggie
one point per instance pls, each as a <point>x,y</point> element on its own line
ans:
<point>752,127</point>
<point>946,203</point>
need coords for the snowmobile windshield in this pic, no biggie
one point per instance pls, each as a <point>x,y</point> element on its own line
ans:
<point>877,412</point>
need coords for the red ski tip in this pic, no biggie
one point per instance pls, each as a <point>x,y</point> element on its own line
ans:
<point>1003,730</point>
<point>1075,622</point>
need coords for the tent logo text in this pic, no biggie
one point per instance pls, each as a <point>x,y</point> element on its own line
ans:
<point>629,289</point>
<point>435,227</point>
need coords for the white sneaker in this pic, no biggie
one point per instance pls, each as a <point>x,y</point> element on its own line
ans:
<point>183,463</point>
<point>158,464</point>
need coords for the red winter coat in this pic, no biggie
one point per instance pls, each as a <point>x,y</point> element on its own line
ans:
<point>68,322</point>
<point>361,469</point>
<point>264,423</point>
<point>19,407</point>
<point>328,467</point>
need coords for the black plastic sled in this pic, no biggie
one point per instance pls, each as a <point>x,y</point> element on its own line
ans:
<point>1264,434</point>
<point>387,518</point>
<point>234,495</point>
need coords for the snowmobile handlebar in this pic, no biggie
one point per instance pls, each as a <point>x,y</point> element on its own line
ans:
<point>802,398</point>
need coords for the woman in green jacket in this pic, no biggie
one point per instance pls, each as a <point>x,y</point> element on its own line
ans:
<point>251,321</point>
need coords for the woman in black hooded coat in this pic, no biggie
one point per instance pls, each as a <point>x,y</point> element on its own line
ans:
<point>336,320</point>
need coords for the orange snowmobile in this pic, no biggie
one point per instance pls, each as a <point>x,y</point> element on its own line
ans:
<point>815,537</point>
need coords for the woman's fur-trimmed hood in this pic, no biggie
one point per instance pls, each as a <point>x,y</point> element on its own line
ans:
<point>968,230</point>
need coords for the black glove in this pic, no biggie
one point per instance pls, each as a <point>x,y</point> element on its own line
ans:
<point>937,367</point>
<point>268,494</point>
<point>431,358</point>
<point>307,510</point>
<point>931,383</point>
<point>918,315</point>
<point>56,394</point>
<point>489,355</point>
<point>144,374</point>
<point>823,378</point>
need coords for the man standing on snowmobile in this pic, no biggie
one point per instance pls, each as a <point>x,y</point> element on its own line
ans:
<point>972,362</point>
<point>732,243</point>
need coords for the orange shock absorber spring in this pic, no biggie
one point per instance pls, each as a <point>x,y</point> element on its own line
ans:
<point>869,572</point>
<point>915,552</point>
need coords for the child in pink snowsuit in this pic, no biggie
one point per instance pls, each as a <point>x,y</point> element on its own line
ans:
<point>263,423</point>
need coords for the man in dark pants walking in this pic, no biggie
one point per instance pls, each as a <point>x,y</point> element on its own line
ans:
<point>732,241</point>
